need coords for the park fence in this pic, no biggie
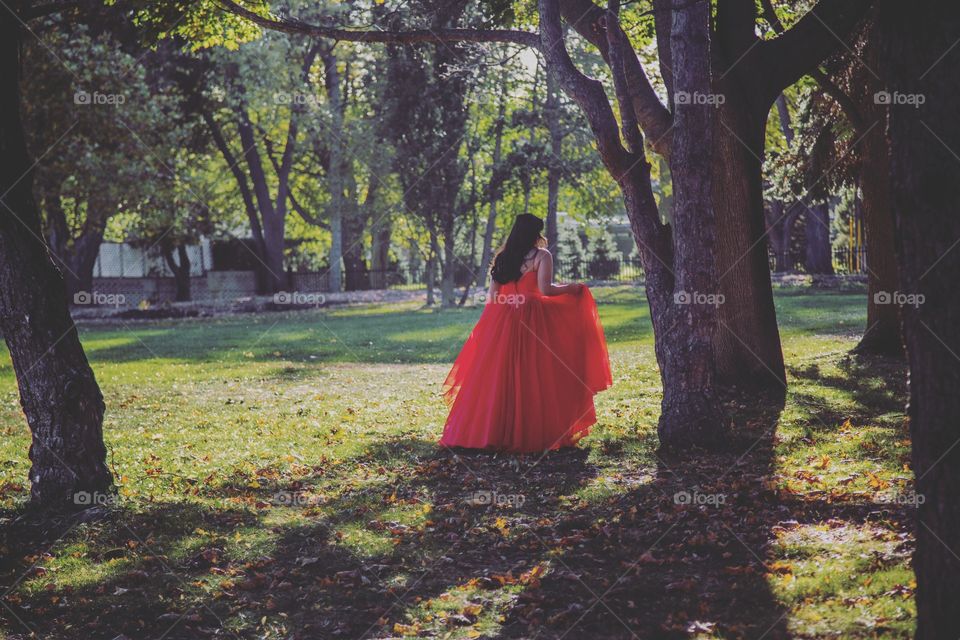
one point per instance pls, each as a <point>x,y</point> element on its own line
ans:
<point>148,283</point>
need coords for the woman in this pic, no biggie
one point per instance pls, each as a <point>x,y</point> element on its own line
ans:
<point>525,379</point>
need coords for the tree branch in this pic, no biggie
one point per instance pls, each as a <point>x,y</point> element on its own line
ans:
<point>587,19</point>
<point>846,103</point>
<point>290,25</point>
<point>587,92</point>
<point>791,55</point>
<point>241,179</point>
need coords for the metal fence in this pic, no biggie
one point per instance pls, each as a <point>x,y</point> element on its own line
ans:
<point>845,261</point>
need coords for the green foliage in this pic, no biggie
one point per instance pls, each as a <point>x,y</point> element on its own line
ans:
<point>603,259</point>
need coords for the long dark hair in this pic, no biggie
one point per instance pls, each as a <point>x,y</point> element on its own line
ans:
<point>524,236</point>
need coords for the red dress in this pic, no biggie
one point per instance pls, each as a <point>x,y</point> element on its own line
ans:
<point>525,378</point>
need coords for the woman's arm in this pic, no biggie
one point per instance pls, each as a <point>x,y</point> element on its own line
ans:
<point>493,291</point>
<point>545,278</point>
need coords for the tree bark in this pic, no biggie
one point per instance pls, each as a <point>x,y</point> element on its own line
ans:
<point>495,191</point>
<point>883,332</point>
<point>555,130</point>
<point>272,224</point>
<point>682,333</point>
<point>747,342</point>
<point>690,412</point>
<point>180,270</point>
<point>818,256</point>
<point>919,58</point>
<point>331,79</point>
<point>58,391</point>
<point>357,277</point>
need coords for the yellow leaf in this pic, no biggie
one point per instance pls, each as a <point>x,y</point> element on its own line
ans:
<point>406,629</point>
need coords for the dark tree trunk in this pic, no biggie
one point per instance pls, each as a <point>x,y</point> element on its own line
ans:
<point>919,58</point>
<point>380,235</point>
<point>780,231</point>
<point>336,176</point>
<point>253,216</point>
<point>58,392</point>
<point>682,332</point>
<point>430,271</point>
<point>272,223</point>
<point>747,341</point>
<point>496,185</point>
<point>554,127</point>
<point>380,254</point>
<point>818,258</point>
<point>448,297</point>
<point>79,257</point>
<point>883,332</point>
<point>690,413</point>
<point>356,275</point>
<point>181,272</point>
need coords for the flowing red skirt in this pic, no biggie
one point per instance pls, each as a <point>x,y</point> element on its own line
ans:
<point>525,378</point>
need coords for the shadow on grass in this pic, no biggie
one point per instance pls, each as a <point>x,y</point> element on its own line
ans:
<point>669,550</point>
<point>878,384</point>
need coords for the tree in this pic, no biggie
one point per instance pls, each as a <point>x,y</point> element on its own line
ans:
<point>602,262</point>
<point>861,160</point>
<point>98,113</point>
<point>749,74</point>
<point>58,391</point>
<point>571,257</point>
<point>427,118</point>
<point>246,103</point>
<point>918,62</point>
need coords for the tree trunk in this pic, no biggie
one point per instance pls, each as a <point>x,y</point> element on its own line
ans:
<point>335,178</point>
<point>747,342</point>
<point>272,220</point>
<point>496,185</point>
<point>556,158</point>
<point>818,258</point>
<point>58,391</point>
<point>690,412</point>
<point>354,265</point>
<point>919,58</point>
<point>380,234</point>
<point>273,236</point>
<point>429,274</point>
<point>882,335</point>
<point>448,282</point>
<point>783,216</point>
<point>181,272</point>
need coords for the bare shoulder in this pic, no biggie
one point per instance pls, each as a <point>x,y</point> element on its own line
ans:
<point>543,255</point>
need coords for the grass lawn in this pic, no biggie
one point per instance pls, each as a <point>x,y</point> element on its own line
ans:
<point>278,478</point>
